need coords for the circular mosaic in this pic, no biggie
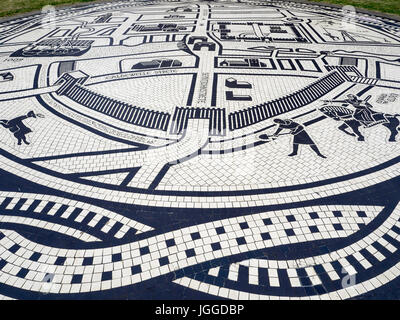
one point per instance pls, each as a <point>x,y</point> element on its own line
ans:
<point>239,149</point>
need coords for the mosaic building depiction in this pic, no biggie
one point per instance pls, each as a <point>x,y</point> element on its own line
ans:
<point>200,150</point>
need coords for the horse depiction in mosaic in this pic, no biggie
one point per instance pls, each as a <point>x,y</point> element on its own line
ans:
<point>346,116</point>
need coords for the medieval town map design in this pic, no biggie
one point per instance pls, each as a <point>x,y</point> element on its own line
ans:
<point>199,150</point>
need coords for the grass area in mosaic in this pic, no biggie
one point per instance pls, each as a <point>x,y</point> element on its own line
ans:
<point>13,7</point>
<point>386,6</point>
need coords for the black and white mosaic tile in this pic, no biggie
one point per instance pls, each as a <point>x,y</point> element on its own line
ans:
<point>200,150</point>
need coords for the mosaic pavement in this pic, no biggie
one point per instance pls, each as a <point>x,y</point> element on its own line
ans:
<point>199,150</point>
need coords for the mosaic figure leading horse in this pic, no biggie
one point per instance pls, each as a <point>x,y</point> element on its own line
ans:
<point>346,116</point>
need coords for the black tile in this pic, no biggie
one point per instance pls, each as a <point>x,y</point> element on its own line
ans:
<point>319,269</point>
<point>22,273</point>
<point>267,221</point>
<point>35,256</point>
<point>74,214</point>
<point>2,263</point>
<point>361,214</point>
<point>195,235</point>
<point>136,269</point>
<point>303,277</point>
<point>289,232</point>
<point>337,214</point>
<point>179,274</point>
<point>320,289</point>
<point>47,208</point>
<point>313,215</point>
<point>241,241</point>
<point>14,248</point>
<point>313,229</point>
<point>19,204</point>
<point>116,257</point>
<point>337,226</point>
<point>170,243</point>
<point>310,291</point>
<point>144,250</point>
<point>220,282</point>
<point>88,218</point>
<point>188,271</point>
<point>265,236</point>
<point>305,281</point>
<point>77,278</point>
<point>197,268</point>
<point>220,230</point>
<point>243,274</point>
<point>290,218</point>
<point>60,261</point>
<point>243,225</point>
<point>163,261</point>
<point>396,229</point>
<point>88,261</point>
<point>101,223</point>
<point>114,229</point>
<point>301,272</point>
<point>323,249</point>
<point>58,213</point>
<point>199,277</point>
<point>5,202</point>
<point>216,246</point>
<point>106,276</point>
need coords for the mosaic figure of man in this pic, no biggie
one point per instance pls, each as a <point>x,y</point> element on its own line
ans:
<point>300,136</point>
<point>18,128</point>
